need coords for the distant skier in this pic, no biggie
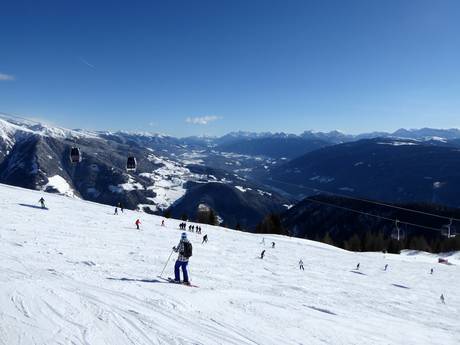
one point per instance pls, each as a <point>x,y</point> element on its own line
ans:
<point>163,222</point>
<point>205,239</point>
<point>262,254</point>
<point>42,202</point>
<point>263,241</point>
<point>357,266</point>
<point>138,222</point>
<point>431,271</point>
<point>386,266</point>
<point>442,299</point>
<point>273,244</point>
<point>301,265</point>
<point>116,211</point>
<point>120,206</point>
<point>184,248</point>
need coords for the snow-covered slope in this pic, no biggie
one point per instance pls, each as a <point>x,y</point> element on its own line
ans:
<point>77,274</point>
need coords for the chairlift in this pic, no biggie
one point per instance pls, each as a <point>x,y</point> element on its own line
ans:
<point>131,163</point>
<point>75,155</point>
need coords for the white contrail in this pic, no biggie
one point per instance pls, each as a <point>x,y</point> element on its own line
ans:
<point>87,63</point>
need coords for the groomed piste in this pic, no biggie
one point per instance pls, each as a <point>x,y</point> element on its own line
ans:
<point>78,274</point>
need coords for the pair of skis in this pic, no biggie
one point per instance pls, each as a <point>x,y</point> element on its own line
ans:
<point>172,281</point>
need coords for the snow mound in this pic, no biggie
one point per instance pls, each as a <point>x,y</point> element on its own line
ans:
<point>77,274</point>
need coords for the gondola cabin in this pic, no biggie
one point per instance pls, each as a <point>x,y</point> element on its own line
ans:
<point>75,155</point>
<point>131,164</point>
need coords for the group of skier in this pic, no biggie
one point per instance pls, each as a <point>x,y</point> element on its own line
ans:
<point>191,228</point>
<point>184,249</point>
<point>119,206</point>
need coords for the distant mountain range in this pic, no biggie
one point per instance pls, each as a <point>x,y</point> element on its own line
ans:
<point>394,170</point>
<point>242,175</point>
<point>334,137</point>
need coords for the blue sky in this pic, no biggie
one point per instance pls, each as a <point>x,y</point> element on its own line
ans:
<point>210,67</point>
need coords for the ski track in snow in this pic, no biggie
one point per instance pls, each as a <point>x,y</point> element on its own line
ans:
<point>77,274</point>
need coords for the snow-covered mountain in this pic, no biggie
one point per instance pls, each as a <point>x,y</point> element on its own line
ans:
<point>177,174</point>
<point>77,274</point>
<point>37,157</point>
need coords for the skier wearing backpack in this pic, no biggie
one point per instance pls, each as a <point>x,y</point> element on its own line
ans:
<point>184,248</point>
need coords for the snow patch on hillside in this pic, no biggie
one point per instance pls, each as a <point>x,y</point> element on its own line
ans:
<point>399,143</point>
<point>242,189</point>
<point>58,184</point>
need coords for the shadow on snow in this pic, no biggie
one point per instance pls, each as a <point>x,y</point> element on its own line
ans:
<point>33,206</point>
<point>321,310</point>
<point>401,286</point>
<point>357,272</point>
<point>137,280</point>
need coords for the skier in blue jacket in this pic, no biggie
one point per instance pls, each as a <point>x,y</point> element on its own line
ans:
<point>184,248</point>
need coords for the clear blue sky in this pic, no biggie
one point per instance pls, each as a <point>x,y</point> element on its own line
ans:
<point>232,65</point>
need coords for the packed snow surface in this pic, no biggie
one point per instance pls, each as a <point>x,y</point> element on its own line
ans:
<point>77,274</point>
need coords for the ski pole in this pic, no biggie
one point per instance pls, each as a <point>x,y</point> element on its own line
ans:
<point>167,261</point>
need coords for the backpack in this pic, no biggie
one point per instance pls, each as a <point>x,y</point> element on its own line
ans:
<point>187,250</point>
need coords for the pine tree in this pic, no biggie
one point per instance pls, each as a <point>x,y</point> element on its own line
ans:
<point>394,246</point>
<point>271,224</point>
<point>328,239</point>
<point>212,218</point>
<point>353,244</point>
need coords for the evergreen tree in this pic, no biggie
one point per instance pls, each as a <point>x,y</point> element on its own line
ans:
<point>271,224</point>
<point>207,216</point>
<point>328,239</point>
<point>212,218</point>
<point>353,244</point>
<point>394,246</point>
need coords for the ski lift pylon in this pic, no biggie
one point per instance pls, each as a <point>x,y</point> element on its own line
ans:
<point>397,233</point>
<point>448,231</point>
